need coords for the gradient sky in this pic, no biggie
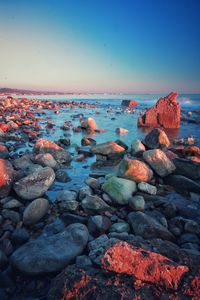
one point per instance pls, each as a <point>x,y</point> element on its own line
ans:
<point>100,45</point>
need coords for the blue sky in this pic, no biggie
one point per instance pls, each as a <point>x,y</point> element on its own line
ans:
<point>100,46</point>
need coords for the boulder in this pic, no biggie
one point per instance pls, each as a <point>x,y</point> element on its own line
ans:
<point>6,177</point>
<point>35,211</point>
<point>45,160</point>
<point>159,162</point>
<point>53,253</point>
<point>156,138</point>
<point>148,227</point>
<point>119,189</point>
<point>135,170</point>
<point>165,113</point>
<point>94,204</point>
<point>89,124</point>
<point>129,103</point>
<point>35,185</point>
<point>59,154</point>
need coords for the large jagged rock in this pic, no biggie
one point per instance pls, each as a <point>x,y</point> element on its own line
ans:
<point>165,113</point>
<point>6,177</point>
<point>53,253</point>
<point>59,154</point>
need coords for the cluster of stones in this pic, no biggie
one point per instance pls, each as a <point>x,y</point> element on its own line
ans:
<point>120,234</point>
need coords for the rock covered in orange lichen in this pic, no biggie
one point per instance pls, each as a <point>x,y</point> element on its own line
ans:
<point>166,113</point>
<point>144,265</point>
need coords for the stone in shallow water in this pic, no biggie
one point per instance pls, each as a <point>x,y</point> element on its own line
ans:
<point>157,138</point>
<point>35,185</point>
<point>137,147</point>
<point>135,170</point>
<point>119,189</point>
<point>53,253</point>
<point>159,162</point>
<point>107,148</point>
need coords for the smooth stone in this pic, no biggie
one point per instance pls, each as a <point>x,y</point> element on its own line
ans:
<point>66,195</point>
<point>159,162</point>
<point>135,170</point>
<point>156,138</point>
<point>35,211</point>
<point>53,253</point>
<point>62,176</point>
<point>45,160</point>
<point>83,192</point>
<point>98,224</point>
<point>107,148</point>
<point>137,203</point>
<point>69,218</point>
<point>137,147</point>
<point>94,204</point>
<point>35,185</point>
<point>187,168</point>
<point>120,227</point>
<point>119,189</point>
<point>147,188</point>
<point>148,227</point>
<point>93,183</point>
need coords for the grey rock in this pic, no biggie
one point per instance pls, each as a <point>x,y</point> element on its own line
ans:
<point>137,203</point>
<point>11,214</point>
<point>84,191</point>
<point>182,183</point>
<point>187,168</point>
<point>147,188</point>
<point>156,138</point>
<point>83,262</point>
<point>120,227</point>
<point>20,236</point>
<point>94,204</point>
<point>98,224</point>
<point>53,253</point>
<point>36,210</point>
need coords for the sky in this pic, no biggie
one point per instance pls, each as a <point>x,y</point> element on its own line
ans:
<point>127,46</point>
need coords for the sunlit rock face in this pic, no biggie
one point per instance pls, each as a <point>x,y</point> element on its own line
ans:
<point>6,177</point>
<point>166,113</point>
<point>59,154</point>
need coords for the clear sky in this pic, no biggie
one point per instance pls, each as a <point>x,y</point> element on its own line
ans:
<point>100,45</point>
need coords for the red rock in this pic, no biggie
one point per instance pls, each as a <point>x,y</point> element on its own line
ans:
<point>165,113</point>
<point>6,177</point>
<point>129,103</point>
<point>143,265</point>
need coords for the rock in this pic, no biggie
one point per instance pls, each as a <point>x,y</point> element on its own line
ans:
<point>148,227</point>
<point>46,160</point>
<point>192,226</point>
<point>88,141</point>
<point>120,227</point>
<point>20,236</point>
<point>137,203</point>
<point>6,177</point>
<point>107,148</point>
<point>23,163</point>
<point>135,170</point>
<point>156,138</point>
<point>98,224</point>
<point>93,183</point>
<point>182,183</point>
<point>121,131</point>
<point>84,191</point>
<point>119,189</point>
<point>83,262</point>
<point>11,214</point>
<point>159,162</point>
<point>144,265</point>
<point>35,211</point>
<point>188,141</point>
<point>62,176</point>
<point>89,125</point>
<point>147,188</point>
<point>166,113</point>
<point>137,147</point>
<point>3,260</point>
<point>35,185</point>
<point>12,203</point>
<point>187,168</point>
<point>3,152</point>
<point>69,218</point>
<point>59,154</point>
<point>53,253</point>
<point>94,204</point>
<point>67,200</point>
<point>129,103</point>
<point>122,144</point>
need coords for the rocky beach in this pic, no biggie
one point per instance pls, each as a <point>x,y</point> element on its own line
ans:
<point>99,200</point>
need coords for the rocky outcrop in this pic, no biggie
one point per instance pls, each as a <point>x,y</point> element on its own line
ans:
<point>166,113</point>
